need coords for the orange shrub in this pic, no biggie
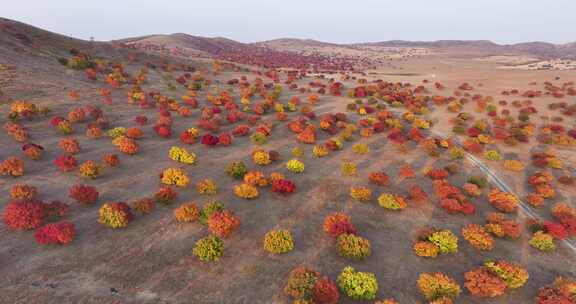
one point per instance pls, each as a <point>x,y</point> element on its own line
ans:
<point>503,201</point>
<point>478,237</point>
<point>127,146</point>
<point>165,195</point>
<point>33,151</point>
<point>206,186</point>
<point>379,178</point>
<point>12,166</point>
<point>134,133</point>
<point>187,212</point>
<point>69,145</point>
<point>481,282</point>
<point>144,206</point>
<point>111,160</point>
<point>338,223</point>
<point>89,169</point>
<point>223,223</point>
<point>23,192</point>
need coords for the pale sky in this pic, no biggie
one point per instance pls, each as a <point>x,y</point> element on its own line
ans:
<point>343,21</point>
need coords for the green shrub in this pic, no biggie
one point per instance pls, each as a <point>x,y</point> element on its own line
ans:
<point>208,249</point>
<point>209,209</point>
<point>479,181</point>
<point>357,285</point>
<point>445,240</point>
<point>237,170</point>
<point>353,247</point>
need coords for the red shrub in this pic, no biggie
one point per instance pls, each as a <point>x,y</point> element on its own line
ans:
<point>209,140</point>
<point>556,230</point>
<point>141,120</point>
<point>83,194</point>
<point>283,186</point>
<point>437,174</point>
<point>451,205</point>
<point>325,292</point>
<point>225,139</point>
<point>338,223</point>
<point>187,137</point>
<point>24,215</point>
<point>57,233</point>
<point>66,163</point>
<point>241,130</point>
<point>416,193</point>
<point>163,131</point>
<point>551,295</point>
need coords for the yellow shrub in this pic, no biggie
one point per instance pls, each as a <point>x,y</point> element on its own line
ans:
<point>181,155</point>
<point>295,166</point>
<point>361,194</point>
<point>246,191</point>
<point>175,176</point>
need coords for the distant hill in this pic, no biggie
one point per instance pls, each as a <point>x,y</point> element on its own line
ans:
<point>540,49</point>
<point>294,42</point>
<point>17,38</point>
<point>278,53</point>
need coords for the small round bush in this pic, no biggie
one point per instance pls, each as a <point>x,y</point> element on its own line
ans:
<point>223,223</point>
<point>278,241</point>
<point>446,241</point>
<point>426,249</point>
<point>165,195</point>
<point>83,194</point>
<point>437,285</point>
<point>208,249</point>
<point>325,292</point>
<point>301,281</point>
<point>481,282</point>
<point>186,213</point>
<point>513,275</point>
<point>23,192</point>
<point>478,237</point>
<point>207,186</point>
<point>144,205</point>
<point>392,201</point>
<point>360,193</point>
<point>246,191</point>
<point>295,166</point>
<point>353,247</point>
<point>208,209</point>
<point>61,233</point>
<point>357,285</point>
<point>338,223</point>
<point>236,170</point>
<point>115,215</point>
<point>23,215</point>
<point>542,241</point>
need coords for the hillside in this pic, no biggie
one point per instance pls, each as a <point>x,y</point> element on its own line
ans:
<point>245,53</point>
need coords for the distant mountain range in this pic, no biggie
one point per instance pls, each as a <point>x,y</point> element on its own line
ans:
<point>213,45</point>
<point>23,35</point>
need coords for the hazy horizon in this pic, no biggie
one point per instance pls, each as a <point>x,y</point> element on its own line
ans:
<point>504,22</point>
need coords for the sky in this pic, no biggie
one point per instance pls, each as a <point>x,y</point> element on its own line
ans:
<point>339,21</point>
